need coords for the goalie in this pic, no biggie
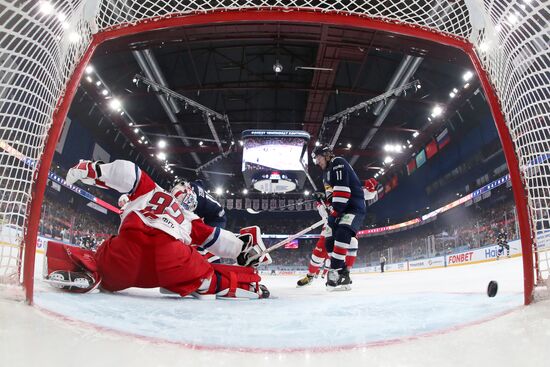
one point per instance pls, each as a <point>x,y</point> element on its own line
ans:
<point>152,248</point>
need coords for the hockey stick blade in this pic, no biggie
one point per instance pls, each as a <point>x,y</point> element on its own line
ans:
<point>252,211</point>
<point>286,240</point>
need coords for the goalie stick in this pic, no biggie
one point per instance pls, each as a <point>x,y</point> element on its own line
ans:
<point>285,241</point>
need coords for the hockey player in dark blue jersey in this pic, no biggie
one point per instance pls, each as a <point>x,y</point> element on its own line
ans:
<point>347,210</point>
<point>193,197</point>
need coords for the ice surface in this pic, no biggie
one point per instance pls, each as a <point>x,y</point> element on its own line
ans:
<point>439,317</point>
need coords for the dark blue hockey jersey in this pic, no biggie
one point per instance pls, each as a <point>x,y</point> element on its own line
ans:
<point>343,188</point>
<point>208,208</point>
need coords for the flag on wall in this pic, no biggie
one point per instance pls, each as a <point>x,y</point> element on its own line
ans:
<point>229,204</point>
<point>443,138</point>
<point>238,204</point>
<point>265,204</point>
<point>411,166</point>
<point>420,158</point>
<point>431,149</point>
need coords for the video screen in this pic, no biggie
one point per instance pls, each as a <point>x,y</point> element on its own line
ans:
<point>282,154</point>
<point>274,160</point>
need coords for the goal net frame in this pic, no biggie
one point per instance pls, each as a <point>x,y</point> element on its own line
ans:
<point>46,46</point>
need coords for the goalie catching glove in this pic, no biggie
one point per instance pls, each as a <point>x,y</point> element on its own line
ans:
<point>88,172</point>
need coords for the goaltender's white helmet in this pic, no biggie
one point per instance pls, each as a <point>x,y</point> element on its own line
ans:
<point>185,195</point>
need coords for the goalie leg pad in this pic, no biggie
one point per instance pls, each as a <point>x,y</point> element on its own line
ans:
<point>237,282</point>
<point>71,268</point>
<point>60,256</point>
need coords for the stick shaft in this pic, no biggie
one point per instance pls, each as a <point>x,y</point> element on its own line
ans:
<point>288,239</point>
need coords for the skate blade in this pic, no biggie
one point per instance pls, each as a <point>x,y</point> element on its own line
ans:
<point>339,288</point>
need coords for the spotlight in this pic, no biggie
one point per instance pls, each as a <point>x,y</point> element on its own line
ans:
<point>467,75</point>
<point>277,67</point>
<point>89,69</point>
<point>219,191</point>
<point>161,144</point>
<point>115,104</point>
<point>161,156</point>
<point>245,191</point>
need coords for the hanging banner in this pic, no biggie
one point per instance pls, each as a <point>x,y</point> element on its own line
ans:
<point>247,203</point>
<point>272,203</point>
<point>256,204</point>
<point>282,203</point>
<point>307,206</point>
<point>291,203</point>
<point>229,204</point>
<point>299,204</point>
<point>265,204</point>
<point>238,204</point>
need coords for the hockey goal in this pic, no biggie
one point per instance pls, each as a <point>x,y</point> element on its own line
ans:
<point>47,44</point>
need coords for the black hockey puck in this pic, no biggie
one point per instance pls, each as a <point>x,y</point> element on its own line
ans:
<point>492,288</point>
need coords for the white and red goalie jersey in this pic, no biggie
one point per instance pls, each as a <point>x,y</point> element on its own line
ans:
<point>155,207</point>
<point>158,209</point>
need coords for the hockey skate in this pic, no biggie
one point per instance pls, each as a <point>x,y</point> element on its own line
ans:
<point>72,281</point>
<point>338,280</point>
<point>307,280</point>
<point>252,245</point>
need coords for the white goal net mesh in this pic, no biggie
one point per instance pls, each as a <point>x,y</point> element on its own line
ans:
<point>43,41</point>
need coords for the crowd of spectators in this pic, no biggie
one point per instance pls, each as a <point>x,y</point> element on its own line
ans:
<point>63,222</point>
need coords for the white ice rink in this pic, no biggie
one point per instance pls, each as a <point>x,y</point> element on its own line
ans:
<point>438,317</point>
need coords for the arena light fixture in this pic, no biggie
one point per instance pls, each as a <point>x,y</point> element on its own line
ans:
<point>74,37</point>
<point>219,191</point>
<point>136,130</point>
<point>201,143</point>
<point>245,191</point>
<point>105,92</point>
<point>241,143</point>
<point>89,79</point>
<point>467,75</point>
<point>277,67</point>
<point>466,85</point>
<point>388,159</point>
<point>161,156</point>
<point>317,143</point>
<point>348,145</point>
<point>161,144</point>
<point>415,134</point>
<point>89,69</point>
<point>452,94</point>
<point>98,83</point>
<point>306,193</point>
<point>437,111</point>
<point>115,104</point>
<point>46,7</point>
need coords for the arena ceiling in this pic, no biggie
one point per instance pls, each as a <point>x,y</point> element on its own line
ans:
<point>230,68</point>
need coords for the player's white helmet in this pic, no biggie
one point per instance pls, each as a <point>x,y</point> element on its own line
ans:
<point>185,195</point>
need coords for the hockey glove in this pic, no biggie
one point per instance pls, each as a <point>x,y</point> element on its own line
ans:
<point>86,171</point>
<point>369,188</point>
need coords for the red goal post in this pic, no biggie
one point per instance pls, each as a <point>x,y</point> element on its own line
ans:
<point>46,46</point>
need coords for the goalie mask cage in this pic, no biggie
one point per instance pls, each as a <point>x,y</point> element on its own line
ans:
<point>45,46</point>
